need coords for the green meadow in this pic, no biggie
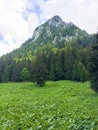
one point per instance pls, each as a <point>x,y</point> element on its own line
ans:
<point>60,105</point>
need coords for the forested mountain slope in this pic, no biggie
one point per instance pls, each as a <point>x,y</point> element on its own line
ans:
<point>57,48</point>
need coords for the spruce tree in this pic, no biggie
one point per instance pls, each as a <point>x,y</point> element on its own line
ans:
<point>5,76</point>
<point>83,74</point>
<point>59,65</point>
<point>52,73</point>
<point>24,74</point>
<point>39,71</point>
<point>94,66</point>
<point>79,72</point>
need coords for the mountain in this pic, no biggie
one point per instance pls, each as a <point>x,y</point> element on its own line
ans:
<point>54,33</point>
<point>56,51</point>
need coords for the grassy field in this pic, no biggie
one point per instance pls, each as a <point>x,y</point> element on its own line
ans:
<point>62,105</point>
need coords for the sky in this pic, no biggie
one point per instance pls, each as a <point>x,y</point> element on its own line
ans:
<point>19,18</point>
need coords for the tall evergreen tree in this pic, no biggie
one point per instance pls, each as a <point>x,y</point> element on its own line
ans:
<point>52,73</point>
<point>39,71</point>
<point>76,72</point>
<point>94,66</point>
<point>79,72</point>
<point>59,66</point>
<point>5,76</point>
<point>83,74</point>
<point>1,69</point>
<point>24,74</point>
<point>68,63</point>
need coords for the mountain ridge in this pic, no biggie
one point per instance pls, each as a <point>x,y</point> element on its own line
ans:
<point>55,32</point>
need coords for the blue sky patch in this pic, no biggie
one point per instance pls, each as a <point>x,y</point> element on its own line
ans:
<point>1,37</point>
<point>45,0</point>
<point>14,40</point>
<point>25,16</point>
<point>37,9</point>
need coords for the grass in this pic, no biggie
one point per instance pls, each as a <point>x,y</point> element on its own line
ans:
<point>62,105</point>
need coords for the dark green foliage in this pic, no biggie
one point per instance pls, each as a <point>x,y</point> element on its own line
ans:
<point>94,85</point>
<point>52,73</point>
<point>59,65</point>
<point>80,73</point>
<point>1,68</point>
<point>5,75</point>
<point>51,65</point>
<point>48,64</point>
<point>24,74</point>
<point>39,74</point>
<point>39,71</point>
<point>94,66</point>
<point>68,63</point>
<point>83,74</point>
<point>76,72</point>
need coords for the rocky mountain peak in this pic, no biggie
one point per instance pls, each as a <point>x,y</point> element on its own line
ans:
<point>55,21</point>
<point>54,33</point>
<point>55,29</point>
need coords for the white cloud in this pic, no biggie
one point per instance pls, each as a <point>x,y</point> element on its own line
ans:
<point>13,25</point>
<point>18,18</point>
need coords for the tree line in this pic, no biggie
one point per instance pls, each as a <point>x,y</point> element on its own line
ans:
<point>76,63</point>
<point>94,65</point>
<point>69,63</point>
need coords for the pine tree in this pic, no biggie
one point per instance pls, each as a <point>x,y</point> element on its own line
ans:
<point>59,65</point>
<point>76,72</point>
<point>83,74</point>
<point>5,76</point>
<point>79,72</point>
<point>94,66</point>
<point>24,74</point>
<point>68,63</point>
<point>52,73</point>
<point>39,71</point>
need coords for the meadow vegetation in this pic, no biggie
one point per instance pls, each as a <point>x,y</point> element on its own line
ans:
<point>60,105</point>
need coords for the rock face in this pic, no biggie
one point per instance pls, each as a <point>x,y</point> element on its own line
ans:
<point>50,27</point>
<point>56,21</point>
<point>56,30</point>
<point>37,32</point>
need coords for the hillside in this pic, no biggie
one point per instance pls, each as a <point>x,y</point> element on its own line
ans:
<point>63,105</point>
